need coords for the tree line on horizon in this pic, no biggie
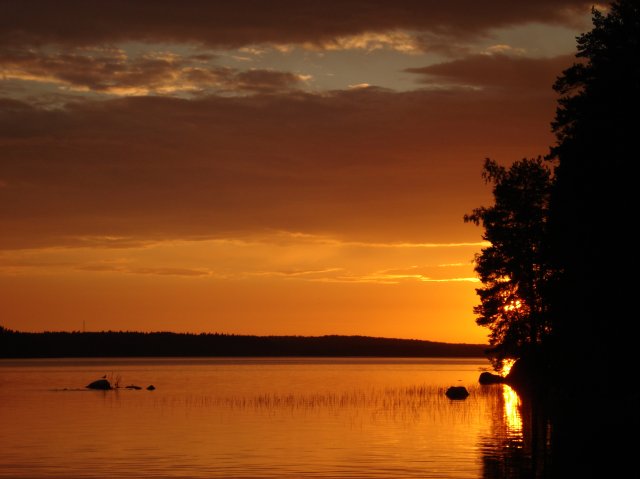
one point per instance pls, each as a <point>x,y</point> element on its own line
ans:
<point>55,344</point>
<point>556,290</point>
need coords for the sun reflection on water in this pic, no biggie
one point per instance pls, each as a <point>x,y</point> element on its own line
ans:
<point>512,415</point>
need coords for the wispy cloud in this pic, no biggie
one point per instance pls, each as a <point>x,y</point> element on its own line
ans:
<point>304,274</point>
<point>391,279</point>
<point>289,237</point>
<point>399,41</point>
<point>439,273</point>
<point>160,271</point>
<point>279,256</point>
<point>172,271</point>
<point>115,72</point>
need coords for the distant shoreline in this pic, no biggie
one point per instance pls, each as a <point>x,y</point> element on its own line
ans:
<point>113,344</point>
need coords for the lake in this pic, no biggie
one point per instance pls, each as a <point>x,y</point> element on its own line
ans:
<point>258,418</point>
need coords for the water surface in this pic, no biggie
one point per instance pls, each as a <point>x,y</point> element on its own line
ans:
<point>255,418</point>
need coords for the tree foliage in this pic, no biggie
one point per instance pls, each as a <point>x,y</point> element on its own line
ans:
<point>596,127</point>
<point>594,200</point>
<point>514,268</point>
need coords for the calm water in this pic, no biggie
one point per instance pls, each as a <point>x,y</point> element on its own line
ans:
<point>256,418</point>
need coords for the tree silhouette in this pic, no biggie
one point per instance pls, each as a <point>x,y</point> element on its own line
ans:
<point>562,245</point>
<point>514,269</point>
<point>593,203</point>
<point>581,293</point>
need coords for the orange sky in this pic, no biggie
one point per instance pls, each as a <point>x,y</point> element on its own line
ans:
<point>280,167</point>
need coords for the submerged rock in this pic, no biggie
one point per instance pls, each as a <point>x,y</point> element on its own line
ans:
<point>102,384</point>
<point>489,378</point>
<point>132,386</point>
<point>457,392</point>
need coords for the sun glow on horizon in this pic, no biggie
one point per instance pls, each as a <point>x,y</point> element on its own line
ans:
<point>276,284</point>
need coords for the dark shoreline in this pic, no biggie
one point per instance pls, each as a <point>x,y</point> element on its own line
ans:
<point>112,344</point>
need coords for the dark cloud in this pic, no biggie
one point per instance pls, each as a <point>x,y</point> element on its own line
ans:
<point>234,23</point>
<point>369,163</point>
<point>496,70</point>
<point>23,120</point>
<point>265,80</point>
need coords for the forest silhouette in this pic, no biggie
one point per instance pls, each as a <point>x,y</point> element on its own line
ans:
<point>557,286</point>
<point>57,344</point>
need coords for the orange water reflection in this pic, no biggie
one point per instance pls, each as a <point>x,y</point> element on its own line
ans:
<point>518,443</point>
<point>236,418</point>
<point>512,412</point>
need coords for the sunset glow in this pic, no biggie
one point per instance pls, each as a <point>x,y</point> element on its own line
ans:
<point>203,170</point>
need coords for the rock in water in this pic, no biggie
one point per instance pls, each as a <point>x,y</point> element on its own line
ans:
<point>151,387</point>
<point>488,378</point>
<point>102,384</point>
<point>457,392</point>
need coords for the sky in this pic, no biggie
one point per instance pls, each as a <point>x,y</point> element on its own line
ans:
<point>263,167</point>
